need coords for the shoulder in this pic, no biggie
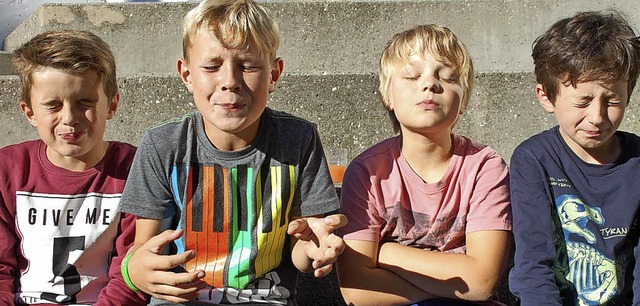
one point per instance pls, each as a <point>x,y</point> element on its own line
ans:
<point>630,142</point>
<point>379,158</point>
<point>26,149</point>
<point>280,118</point>
<point>472,150</point>
<point>171,131</point>
<point>121,151</point>
<point>387,149</point>
<point>287,130</point>
<point>543,143</point>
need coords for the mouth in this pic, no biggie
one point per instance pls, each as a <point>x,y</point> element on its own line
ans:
<point>593,134</point>
<point>230,106</point>
<point>428,104</point>
<point>71,137</point>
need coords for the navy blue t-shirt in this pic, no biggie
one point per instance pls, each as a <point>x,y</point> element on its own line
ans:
<point>575,224</point>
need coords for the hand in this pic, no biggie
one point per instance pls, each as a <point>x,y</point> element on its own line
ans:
<point>320,244</point>
<point>148,270</point>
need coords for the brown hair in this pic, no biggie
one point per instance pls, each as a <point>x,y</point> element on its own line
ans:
<point>590,46</point>
<point>71,51</point>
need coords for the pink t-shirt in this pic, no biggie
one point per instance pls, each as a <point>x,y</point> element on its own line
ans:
<point>385,200</point>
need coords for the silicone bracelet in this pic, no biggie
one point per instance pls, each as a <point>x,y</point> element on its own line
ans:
<point>125,273</point>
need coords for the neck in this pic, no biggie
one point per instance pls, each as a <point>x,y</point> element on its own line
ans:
<point>81,163</point>
<point>607,153</point>
<point>225,141</point>
<point>428,156</point>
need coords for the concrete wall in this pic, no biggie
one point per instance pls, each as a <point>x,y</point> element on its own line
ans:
<point>503,110</point>
<point>331,51</point>
<point>324,37</point>
<point>14,12</point>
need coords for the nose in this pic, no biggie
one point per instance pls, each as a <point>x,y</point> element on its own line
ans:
<point>430,83</point>
<point>69,115</point>
<point>597,113</point>
<point>231,78</point>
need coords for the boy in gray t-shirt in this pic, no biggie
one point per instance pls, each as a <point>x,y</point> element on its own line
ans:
<point>245,186</point>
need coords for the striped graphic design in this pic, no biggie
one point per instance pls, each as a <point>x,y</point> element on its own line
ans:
<point>236,220</point>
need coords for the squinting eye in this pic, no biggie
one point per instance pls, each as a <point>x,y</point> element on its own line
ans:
<point>411,77</point>
<point>211,68</point>
<point>250,67</point>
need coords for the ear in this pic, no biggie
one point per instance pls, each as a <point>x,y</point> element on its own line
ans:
<point>547,104</point>
<point>276,72</point>
<point>113,106</point>
<point>28,112</point>
<point>185,74</point>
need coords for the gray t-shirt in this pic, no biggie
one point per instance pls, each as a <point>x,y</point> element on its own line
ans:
<point>233,206</point>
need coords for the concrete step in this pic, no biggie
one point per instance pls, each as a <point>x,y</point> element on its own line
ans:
<point>5,63</point>
<point>323,37</point>
<point>502,113</point>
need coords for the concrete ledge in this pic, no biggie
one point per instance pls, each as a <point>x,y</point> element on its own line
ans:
<point>503,110</point>
<point>5,63</point>
<point>323,37</point>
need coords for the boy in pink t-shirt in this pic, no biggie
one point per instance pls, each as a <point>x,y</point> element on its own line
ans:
<point>429,215</point>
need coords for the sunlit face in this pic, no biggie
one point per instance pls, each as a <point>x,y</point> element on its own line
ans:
<point>426,95</point>
<point>230,87</point>
<point>588,115</point>
<point>70,112</point>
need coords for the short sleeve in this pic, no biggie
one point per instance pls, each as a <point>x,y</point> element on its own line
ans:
<point>147,192</point>
<point>358,204</point>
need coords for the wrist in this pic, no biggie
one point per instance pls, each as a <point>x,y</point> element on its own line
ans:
<point>125,272</point>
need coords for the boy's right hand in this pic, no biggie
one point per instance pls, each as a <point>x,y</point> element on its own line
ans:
<point>149,270</point>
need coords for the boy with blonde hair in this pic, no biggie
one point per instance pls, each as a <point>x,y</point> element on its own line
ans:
<point>244,185</point>
<point>61,237</point>
<point>428,210</point>
<point>575,187</point>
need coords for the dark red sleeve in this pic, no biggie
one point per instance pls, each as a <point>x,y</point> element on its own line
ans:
<point>116,292</point>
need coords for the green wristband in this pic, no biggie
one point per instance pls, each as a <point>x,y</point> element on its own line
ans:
<point>124,267</point>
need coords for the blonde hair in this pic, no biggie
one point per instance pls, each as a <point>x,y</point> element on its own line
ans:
<point>433,39</point>
<point>237,24</point>
<point>71,51</point>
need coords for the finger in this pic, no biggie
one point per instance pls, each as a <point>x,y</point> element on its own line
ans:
<point>301,229</point>
<point>334,242</point>
<point>296,226</point>
<point>172,261</point>
<point>178,299</point>
<point>182,280</point>
<point>336,220</point>
<point>322,271</point>
<point>156,243</point>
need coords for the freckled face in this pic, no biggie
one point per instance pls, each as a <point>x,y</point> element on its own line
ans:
<point>70,112</point>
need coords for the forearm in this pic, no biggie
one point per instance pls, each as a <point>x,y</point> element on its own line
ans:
<point>117,290</point>
<point>380,287</point>
<point>444,274</point>
<point>363,283</point>
<point>472,276</point>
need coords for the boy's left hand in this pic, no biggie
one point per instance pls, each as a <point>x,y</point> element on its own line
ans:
<point>320,243</point>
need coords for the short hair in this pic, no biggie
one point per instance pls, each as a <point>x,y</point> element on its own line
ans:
<point>71,51</point>
<point>590,46</point>
<point>237,24</point>
<point>433,39</point>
